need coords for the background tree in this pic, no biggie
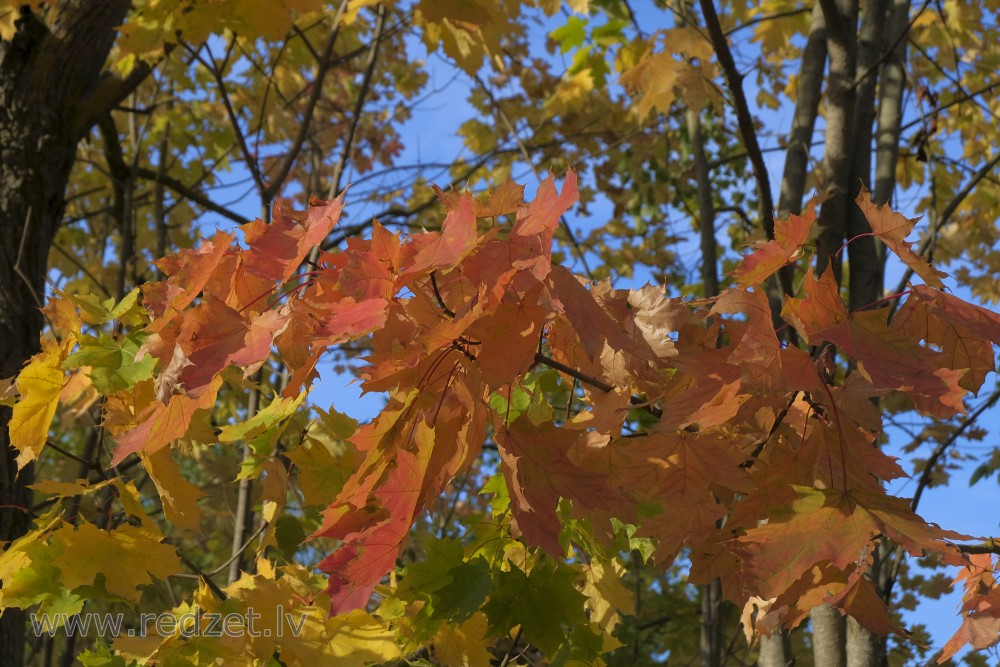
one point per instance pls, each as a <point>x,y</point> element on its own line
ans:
<point>172,118</point>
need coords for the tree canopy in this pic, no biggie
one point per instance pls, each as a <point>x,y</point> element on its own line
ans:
<point>648,411</point>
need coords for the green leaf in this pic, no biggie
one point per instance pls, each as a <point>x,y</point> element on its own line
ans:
<point>515,407</point>
<point>433,573</point>
<point>100,656</point>
<point>95,310</point>
<point>582,646</point>
<point>112,364</point>
<point>541,602</point>
<point>570,35</point>
<point>500,502</point>
<point>275,412</point>
<point>470,583</point>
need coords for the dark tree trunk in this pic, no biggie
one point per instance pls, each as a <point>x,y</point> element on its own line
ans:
<point>50,88</point>
<point>865,269</point>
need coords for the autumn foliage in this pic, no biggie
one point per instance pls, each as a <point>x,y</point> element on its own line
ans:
<point>705,434</point>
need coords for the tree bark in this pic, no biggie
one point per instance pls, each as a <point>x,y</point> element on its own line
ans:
<point>47,74</point>
<point>774,651</point>
<point>864,648</point>
<point>841,27</point>
<point>793,179</point>
<point>865,270</point>
<point>828,635</point>
<point>892,83</point>
<point>711,624</point>
<point>706,210</point>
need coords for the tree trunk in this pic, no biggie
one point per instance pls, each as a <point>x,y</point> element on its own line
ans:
<point>841,29</point>
<point>46,74</point>
<point>793,179</point>
<point>828,635</point>
<point>892,83</point>
<point>774,651</point>
<point>865,270</point>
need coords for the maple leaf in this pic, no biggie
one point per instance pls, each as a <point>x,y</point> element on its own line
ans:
<point>963,331</point>
<point>368,268</point>
<point>891,358</point>
<point>836,527</point>
<point>594,325</point>
<point>539,601</point>
<point>892,228</point>
<point>980,607</point>
<point>660,76</point>
<point>178,496</point>
<point>160,424</point>
<point>189,270</point>
<point>541,464</point>
<point>443,250</point>
<point>463,644</point>
<point>113,365</point>
<point>277,249</point>
<point>39,384</point>
<point>139,555</point>
<point>606,594</point>
<point>790,235</point>
<point>508,336</point>
<point>371,544</point>
<point>505,198</point>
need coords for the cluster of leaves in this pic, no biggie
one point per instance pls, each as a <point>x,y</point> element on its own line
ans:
<point>699,432</point>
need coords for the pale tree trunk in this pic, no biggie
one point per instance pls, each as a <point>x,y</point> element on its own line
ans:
<point>793,179</point>
<point>711,624</point>
<point>711,595</point>
<point>51,92</point>
<point>841,24</point>
<point>892,83</point>
<point>774,650</point>
<point>841,30</point>
<point>828,637</point>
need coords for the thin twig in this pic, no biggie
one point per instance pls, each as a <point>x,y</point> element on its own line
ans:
<point>322,67</point>
<point>20,255</point>
<point>212,586</point>
<point>946,215</point>
<point>510,649</point>
<point>359,104</point>
<point>190,193</point>
<point>768,17</point>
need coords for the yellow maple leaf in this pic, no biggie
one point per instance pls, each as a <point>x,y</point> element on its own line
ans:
<point>128,557</point>
<point>463,645</point>
<point>39,384</point>
<point>606,595</point>
<point>79,487</point>
<point>178,496</point>
<point>683,68</point>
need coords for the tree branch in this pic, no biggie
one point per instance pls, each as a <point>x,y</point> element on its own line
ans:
<point>322,67</point>
<point>192,194</point>
<point>945,218</point>
<point>744,119</point>
<point>345,153</point>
